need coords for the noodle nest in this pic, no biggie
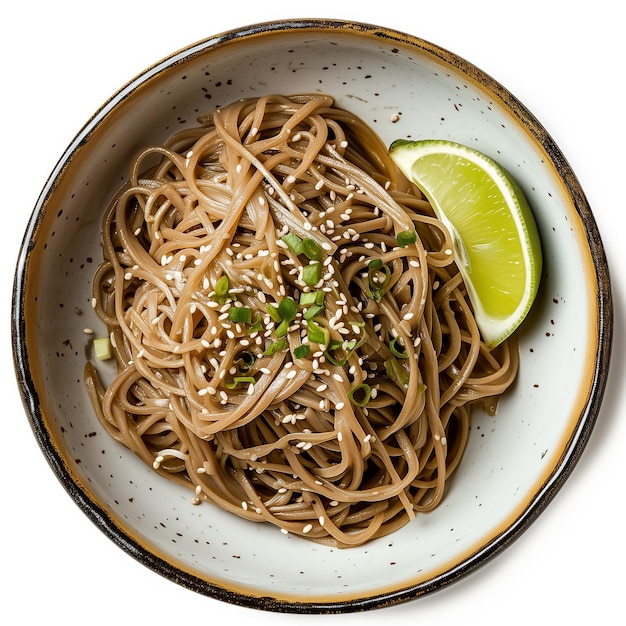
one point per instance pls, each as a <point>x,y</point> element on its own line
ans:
<point>292,338</point>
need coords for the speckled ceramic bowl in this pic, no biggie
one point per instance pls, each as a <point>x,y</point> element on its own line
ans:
<point>515,462</point>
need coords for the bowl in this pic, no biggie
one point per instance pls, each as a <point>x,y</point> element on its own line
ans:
<point>515,461</point>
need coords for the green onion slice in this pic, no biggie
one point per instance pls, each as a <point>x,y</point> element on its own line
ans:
<point>311,249</point>
<point>276,346</point>
<point>221,286</point>
<point>317,334</point>
<point>360,395</point>
<point>239,380</point>
<point>294,243</point>
<point>312,273</point>
<point>396,372</point>
<point>312,297</point>
<point>274,313</point>
<point>313,311</point>
<point>282,329</point>
<point>244,360</point>
<point>240,314</point>
<point>378,277</point>
<point>302,350</point>
<point>406,238</point>
<point>401,354</point>
<point>288,309</point>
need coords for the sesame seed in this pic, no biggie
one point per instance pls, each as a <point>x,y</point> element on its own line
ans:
<point>308,528</point>
<point>339,406</point>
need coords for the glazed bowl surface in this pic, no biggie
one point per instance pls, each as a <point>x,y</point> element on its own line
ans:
<point>515,462</point>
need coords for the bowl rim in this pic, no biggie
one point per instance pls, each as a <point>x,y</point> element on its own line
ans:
<point>561,472</point>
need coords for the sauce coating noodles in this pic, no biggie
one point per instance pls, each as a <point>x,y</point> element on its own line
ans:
<point>293,339</point>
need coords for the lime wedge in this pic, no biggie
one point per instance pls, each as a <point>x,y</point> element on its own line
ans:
<point>496,243</point>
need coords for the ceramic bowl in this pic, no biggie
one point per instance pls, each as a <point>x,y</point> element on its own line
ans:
<point>515,462</point>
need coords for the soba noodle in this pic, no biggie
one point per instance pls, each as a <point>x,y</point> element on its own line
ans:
<point>293,340</point>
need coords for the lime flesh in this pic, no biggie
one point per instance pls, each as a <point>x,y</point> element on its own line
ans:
<point>496,243</point>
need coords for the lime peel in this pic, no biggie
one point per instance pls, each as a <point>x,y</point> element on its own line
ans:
<point>495,237</point>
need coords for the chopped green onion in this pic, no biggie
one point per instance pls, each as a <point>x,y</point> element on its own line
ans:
<point>282,329</point>
<point>301,351</point>
<point>317,334</point>
<point>257,326</point>
<point>288,309</point>
<point>294,243</point>
<point>313,311</point>
<point>221,286</point>
<point>311,249</point>
<point>281,344</point>
<point>102,348</point>
<point>312,297</point>
<point>401,354</point>
<point>237,380</point>
<point>406,238</point>
<point>274,313</point>
<point>245,359</point>
<point>239,314</point>
<point>311,274</point>
<point>375,264</point>
<point>332,352</point>
<point>378,278</point>
<point>360,394</point>
<point>396,372</point>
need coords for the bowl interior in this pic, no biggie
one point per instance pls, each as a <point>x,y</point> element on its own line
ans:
<point>404,88</point>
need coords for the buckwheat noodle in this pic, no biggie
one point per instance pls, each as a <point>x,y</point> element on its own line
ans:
<point>283,347</point>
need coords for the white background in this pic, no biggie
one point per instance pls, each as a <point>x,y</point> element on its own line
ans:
<point>62,60</point>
